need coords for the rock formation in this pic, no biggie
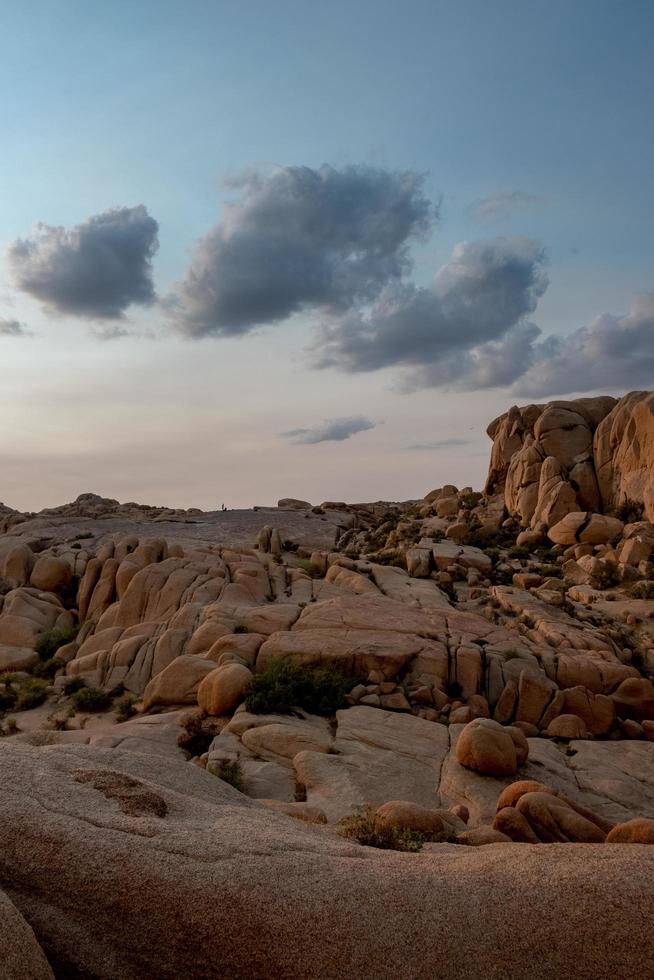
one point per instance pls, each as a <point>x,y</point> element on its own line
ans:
<point>381,672</point>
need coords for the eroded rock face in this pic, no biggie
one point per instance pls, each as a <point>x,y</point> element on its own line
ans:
<point>588,455</point>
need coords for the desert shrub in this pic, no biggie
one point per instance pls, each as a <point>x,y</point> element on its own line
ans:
<point>642,590</point>
<point>605,577</point>
<point>363,828</point>
<point>469,500</point>
<point>124,706</point>
<point>546,554</point>
<point>393,557</point>
<point>198,732</point>
<point>91,699</point>
<point>30,693</point>
<point>7,696</point>
<point>48,643</point>
<point>493,553</point>
<point>519,552</point>
<point>10,727</point>
<point>550,571</point>
<point>48,668</point>
<point>72,684</point>
<point>231,772</point>
<point>283,685</point>
<point>307,566</point>
<point>630,511</point>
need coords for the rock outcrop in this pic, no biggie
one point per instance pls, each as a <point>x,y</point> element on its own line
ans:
<point>588,455</point>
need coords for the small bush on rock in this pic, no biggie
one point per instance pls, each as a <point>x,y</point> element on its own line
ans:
<point>605,577</point>
<point>231,772</point>
<point>48,668</point>
<point>283,685</point>
<point>48,643</point>
<point>72,684</point>
<point>91,699</point>
<point>642,590</point>
<point>124,706</point>
<point>365,829</point>
<point>31,693</point>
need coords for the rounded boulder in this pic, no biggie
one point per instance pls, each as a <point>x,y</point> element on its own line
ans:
<point>488,748</point>
<point>638,831</point>
<point>51,574</point>
<point>221,691</point>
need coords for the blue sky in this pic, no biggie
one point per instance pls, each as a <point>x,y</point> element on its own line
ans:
<point>155,103</point>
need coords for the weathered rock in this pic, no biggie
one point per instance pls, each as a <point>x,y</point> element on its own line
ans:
<point>636,831</point>
<point>223,689</point>
<point>488,748</point>
<point>404,815</point>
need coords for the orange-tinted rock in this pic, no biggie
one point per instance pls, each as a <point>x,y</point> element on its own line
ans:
<point>486,747</point>
<point>638,831</point>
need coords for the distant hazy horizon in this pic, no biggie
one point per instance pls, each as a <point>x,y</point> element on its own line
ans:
<point>255,251</point>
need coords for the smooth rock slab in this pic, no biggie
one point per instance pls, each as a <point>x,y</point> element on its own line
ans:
<point>221,886</point>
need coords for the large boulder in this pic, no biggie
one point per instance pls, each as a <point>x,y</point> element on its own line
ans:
<point>488,748</point>
<point>223,689</point>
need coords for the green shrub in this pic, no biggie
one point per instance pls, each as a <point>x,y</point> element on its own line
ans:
<point>393,557</point>
<point>630,511</point>
<point>73,684</point>
<point>519,552</point>
<point>231,772</point>
<point>48,643</point>
<point>551,571</point>
<point>124,706</point>
<point>642,590</point>
<point>48,668</point>
<point>307,566</point>
<point>546,554</point>
<point>7,697</point>
<point>283,685</point>
<point>363,828</point>
<point>605,577</point>
<point>469,500</point>
<point>31,693</point>
<point>91,699</point>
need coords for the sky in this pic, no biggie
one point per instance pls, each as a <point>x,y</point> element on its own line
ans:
<point>254,250</point>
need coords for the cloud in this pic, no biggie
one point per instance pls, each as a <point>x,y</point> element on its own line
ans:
<point>461,328</point>
<point>300,239</point>
<point>439,444</point>
<point>96,269</point>
<point>331,430</point>
<point>501,206</point>
<point>613,353</point>
<point>12,328</point>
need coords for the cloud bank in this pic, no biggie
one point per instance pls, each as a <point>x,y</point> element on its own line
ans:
<point>96,269</point>
<point>613,352</point>
<point>461,329</point>
<point>301,239</point>
<point>501,206</point>
<point>331,430</point>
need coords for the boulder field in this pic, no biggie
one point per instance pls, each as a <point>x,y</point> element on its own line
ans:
<point>390,739</point>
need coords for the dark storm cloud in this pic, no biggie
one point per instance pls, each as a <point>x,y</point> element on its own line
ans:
<point>300,239</point>
<point>96,269</point>
<point>612,353</point>
<point>501,206</point>
<point>331,430</point>
<point>467,323</point>
<point>11,328</point>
